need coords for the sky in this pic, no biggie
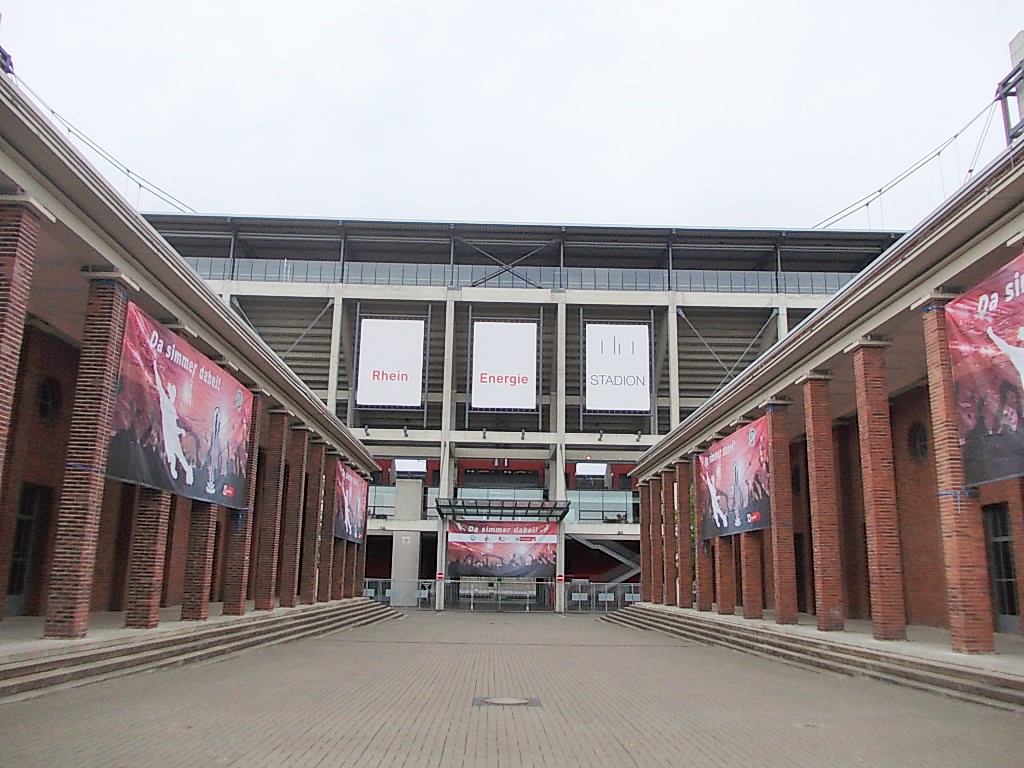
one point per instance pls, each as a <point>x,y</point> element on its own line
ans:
<point>720,113</point>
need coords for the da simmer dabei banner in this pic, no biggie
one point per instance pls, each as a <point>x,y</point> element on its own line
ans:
<point>986,346</point>
<point>734,496</point>
<point>502,548</point>
<point>181,423</point>
<point>351,494</point>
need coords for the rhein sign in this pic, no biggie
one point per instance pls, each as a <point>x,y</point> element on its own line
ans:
<point>390,363</point>
<point>986,346</point>
<point>504,366</point>
<point>181,422</point>
<point>618,368</point>
<point>734,490</point>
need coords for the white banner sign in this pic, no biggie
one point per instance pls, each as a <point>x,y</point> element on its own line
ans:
<point>618,367</point>
<point>504,365</point>
<point>390,363</point>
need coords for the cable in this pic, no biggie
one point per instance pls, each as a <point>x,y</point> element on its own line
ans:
<point>117,164</point>
<point>981,140</point>
<point>849,210</point>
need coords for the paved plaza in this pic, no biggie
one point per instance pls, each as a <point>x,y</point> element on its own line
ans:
<point>409,693</point>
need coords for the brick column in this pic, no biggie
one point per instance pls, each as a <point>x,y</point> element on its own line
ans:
<point>881,516</point>
<point>19,233</point>
<point>239,541</point>
<point>202,530</point>
<point>702,555</point>
<point>821,469</point>
<point>78,517</point>
<point>646,573</point>
<point>725,575</point>
<point>325,589</point>
<point>291,517</point>
<point>684,537</point>
<point>271,490</point>
<point>352,589</point>
<point>783,556</point>
<point>339,570</point>
<point>968,599</point>
<point>146,561</point>
<point>668,506</point>
<point>750,565</point>
<point>657,542</point>
<point>312,557</point>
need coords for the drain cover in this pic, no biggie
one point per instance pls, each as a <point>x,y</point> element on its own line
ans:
<point>505,701</point>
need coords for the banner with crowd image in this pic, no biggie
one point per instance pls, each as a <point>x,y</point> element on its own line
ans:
<point>181,422</point>
<point>986,345</point>
<point>505,548</point>
<point>351,503</point>
<point>734,490</point>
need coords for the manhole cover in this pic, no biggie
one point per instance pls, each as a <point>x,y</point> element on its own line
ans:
<point>505,701</point>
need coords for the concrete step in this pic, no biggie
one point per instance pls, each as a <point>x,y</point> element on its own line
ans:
<point>975,685</point>
<point>28,677</point>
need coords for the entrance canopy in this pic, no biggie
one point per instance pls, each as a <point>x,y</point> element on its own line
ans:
<point>501,509</point>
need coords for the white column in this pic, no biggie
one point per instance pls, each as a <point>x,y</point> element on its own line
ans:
<point>673,364</point>
<point>335,354</point>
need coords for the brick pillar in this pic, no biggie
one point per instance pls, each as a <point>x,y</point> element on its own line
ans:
<point>968,599</point>
<point>19,233</point>
<point>750,565</point>
<point>291,517</point>
<point>146,561</point>
<point>351,568</point>
<point>325,589</point>
<point>78,516</point>
<point>702,556</point>
<point>881,516</point>
<point>684,537</point>
<point>668,506</point>
<point>312,557</point>
<point>202,530</point>
<point>339,570</point>
<point>657,542</point>
<point>271,490</point>
<point>821,469</point>
<point>645,544</point>
<point>725,574</point>
<point>783,556</point>
<point>239,541</point>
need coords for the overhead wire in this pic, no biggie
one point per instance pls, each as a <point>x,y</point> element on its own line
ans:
<point>72,130</point>
<point>865,201</point>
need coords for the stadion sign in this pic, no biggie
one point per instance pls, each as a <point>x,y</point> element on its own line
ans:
<point>618,368</point>
<point>504,366</point>
<point>390,363</point>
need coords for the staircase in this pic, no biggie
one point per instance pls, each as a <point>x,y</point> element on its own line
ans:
<point>31,674</point>
<point>969,684</point>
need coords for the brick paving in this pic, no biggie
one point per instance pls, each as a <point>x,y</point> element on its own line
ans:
<point>401,694</point>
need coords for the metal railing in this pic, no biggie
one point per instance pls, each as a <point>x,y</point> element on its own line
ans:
<point>592,597</point>
<point>461,275</point>
<point>486,594</point>
<point>401,593</point>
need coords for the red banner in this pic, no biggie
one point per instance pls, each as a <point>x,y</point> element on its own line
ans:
<point>734,495</point>
<point>986,346</point>
<point>510,549</point>
<point>181,422</point>
<point>351,500</point>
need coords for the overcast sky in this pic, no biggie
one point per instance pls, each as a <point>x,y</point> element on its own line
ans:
<point>742,114</point>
